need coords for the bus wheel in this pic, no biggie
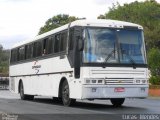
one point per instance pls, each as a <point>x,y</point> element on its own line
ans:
<point>22,95</point>
<point>21,91</point>
<point>117,102</point>
<point>67,101</point>
<point>57,100</point>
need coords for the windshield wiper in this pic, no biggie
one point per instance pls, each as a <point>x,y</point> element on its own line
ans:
<point>110,55</point>
<point>131,59</point>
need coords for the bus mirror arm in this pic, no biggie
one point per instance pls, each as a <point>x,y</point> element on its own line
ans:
<point>78,49</point>
<point>80,43</point>
<point>67,48</point>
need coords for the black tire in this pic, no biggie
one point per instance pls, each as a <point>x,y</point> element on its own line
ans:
<point>117,102</point>
<point>24,96</point>
<point>29,97</point>
<point>57,100</point>
<point>67,101</point>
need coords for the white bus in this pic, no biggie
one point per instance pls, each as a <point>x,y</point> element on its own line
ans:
<point>97,59</point>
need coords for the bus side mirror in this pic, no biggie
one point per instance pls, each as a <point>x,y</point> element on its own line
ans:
<point>77,60</point>
<point>80,43</point>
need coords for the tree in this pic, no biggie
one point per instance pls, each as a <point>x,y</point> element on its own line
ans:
<point>145,13</point>
<point>56,21</point>
<point>1,48</point>
<point>101,17</point>
<point>4,60</point>
<point>154,65</point>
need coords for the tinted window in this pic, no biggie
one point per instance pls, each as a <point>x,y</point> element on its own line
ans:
<point>63,41</point>
<point>49,48</point>
<point>21,52</point>
<point>44,46</point>
<point>37,49</point>
<point>29,51</point>
<point>57,42</point>
<point>71,40</point>
<point>14,55</point>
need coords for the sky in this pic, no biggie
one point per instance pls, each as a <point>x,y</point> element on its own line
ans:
<point>22,19</point>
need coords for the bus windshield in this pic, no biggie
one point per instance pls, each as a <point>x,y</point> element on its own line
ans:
<point>121,46</point>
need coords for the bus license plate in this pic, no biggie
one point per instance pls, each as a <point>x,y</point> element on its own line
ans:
<point>119,89</point>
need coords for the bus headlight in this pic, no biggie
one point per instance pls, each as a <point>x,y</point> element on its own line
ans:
<point>141,81</point>
<point>138,81</point>
<point>94,81</point>
<point>100,81</point>
<point>88,81</point>
<point>144,81</point>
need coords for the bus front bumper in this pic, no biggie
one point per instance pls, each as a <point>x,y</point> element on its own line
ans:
<point>114,91</point>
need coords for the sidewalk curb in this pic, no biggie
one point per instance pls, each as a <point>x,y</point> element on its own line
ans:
<point>154,97</point>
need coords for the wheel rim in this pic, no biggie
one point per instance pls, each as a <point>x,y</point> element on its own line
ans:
<point>21,91</point>
<point>65,94</point>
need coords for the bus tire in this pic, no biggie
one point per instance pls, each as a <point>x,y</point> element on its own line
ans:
<point>117,102</point>
<point>57,100</point>
<point>24,96</point>
<point>67,101</point>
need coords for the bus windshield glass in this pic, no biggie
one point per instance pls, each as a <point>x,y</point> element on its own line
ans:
<point>121,46</point>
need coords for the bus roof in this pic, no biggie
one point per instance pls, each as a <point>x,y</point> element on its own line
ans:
<point>93,23</point>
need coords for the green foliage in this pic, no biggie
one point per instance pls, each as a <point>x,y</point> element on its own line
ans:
<point>101,17</point>
<point>154,86</point>
<point>154,65</point>
<point>154,61</point>
<point>56,21</point>
<point>154,80</point>
<point>145,13</point>
<point>4,60</point>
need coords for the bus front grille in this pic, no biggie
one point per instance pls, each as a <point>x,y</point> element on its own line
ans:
<point>119,73</point>
<point>116,72</point>
<point>120,81</point>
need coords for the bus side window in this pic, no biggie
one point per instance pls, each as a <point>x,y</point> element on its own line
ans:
<point>14,55</point>
<point>12,58</point>
<point>57,43</point>
<point>29,51</point>
<point>37,49</point>
<point>63,41</point>
<point>21,53</point>
<point>49,45</point>
<point>44,46</point>
<point>71,40</point>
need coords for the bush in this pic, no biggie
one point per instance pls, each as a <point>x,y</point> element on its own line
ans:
<point>154,65</point>
<point>154,86</point>
<point>154,80</point>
